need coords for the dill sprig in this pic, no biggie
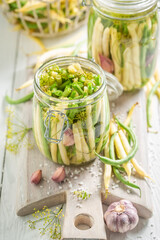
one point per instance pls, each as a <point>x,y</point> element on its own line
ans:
<point>82,195</point>
<point>51,221</point>
<point>16,133</point>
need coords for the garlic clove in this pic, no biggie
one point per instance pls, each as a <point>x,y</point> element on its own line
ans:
<point>36,177</point>
<point>111,221</point>
<point>106,63</point>
<point>133,218</point>
<point>126,203</point>
<point>123,223</point>
<point>59,175</point>
<point>68,138</point>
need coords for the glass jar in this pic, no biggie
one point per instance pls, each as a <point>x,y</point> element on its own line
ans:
<point>123,39</point>
<point>85,122</point>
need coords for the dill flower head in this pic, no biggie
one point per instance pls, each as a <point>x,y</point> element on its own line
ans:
<point>16,133</point>
<point>50,221</point>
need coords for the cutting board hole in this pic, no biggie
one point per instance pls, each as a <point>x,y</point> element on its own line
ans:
<point>83,221</point>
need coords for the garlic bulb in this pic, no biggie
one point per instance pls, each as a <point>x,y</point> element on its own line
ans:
<point>121,216</point>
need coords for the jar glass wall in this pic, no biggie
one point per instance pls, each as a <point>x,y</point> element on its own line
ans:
<point>123,39</point>
<point>71,131</point>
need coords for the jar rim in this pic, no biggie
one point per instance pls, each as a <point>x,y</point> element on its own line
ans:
<point>73,59</point>
<point>126,7</point>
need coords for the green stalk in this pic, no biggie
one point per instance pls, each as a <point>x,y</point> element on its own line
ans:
<point>21,100</point>
<point>144,49</point>
<point>59,156</point>
<point>91,22</point>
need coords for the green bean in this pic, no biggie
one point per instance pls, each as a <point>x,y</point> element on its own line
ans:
<point>62,87</point>
<point>116,170</point>
<point>129,156</point>
<point>112,152</point>
<point>59,156</point>
<point>71,113</point>
<point>21,100</point>
<point>82,79</point>
<point>79,97</point>
<point>78,88</point>
<point>54,85</point>
<point>58,93</point>
<point>131,127</point>
<point>58,79</point>
<point>111,147</point>
<point>70,76</point>
<point>97,81</point>
<point>67,91</point>
<point>149,100</point>
<point>73,94</point>
<point>64,73</point>
<point>144,49</point>
<point>80,84</point>
<point>124,181</point>
<point>54,90</point>
<point>90,88</point>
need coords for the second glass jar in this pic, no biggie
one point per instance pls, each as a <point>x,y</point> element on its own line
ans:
<point>123,39</point>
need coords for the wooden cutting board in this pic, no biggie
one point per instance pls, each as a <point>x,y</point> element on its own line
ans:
<point>88,178</point>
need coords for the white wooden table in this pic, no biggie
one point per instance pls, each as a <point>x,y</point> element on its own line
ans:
<point>13,62</point>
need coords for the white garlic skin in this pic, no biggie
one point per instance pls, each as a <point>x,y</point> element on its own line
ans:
<point>121,216</point>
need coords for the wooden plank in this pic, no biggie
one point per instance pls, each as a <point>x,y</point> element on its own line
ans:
<point>77,219</point>
<point>10,224</point>
<point>7,65</point>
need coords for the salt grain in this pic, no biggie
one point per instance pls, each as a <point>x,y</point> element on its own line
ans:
<point>78,205</point>
<point>80,183</point>
<point>76,172</point>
